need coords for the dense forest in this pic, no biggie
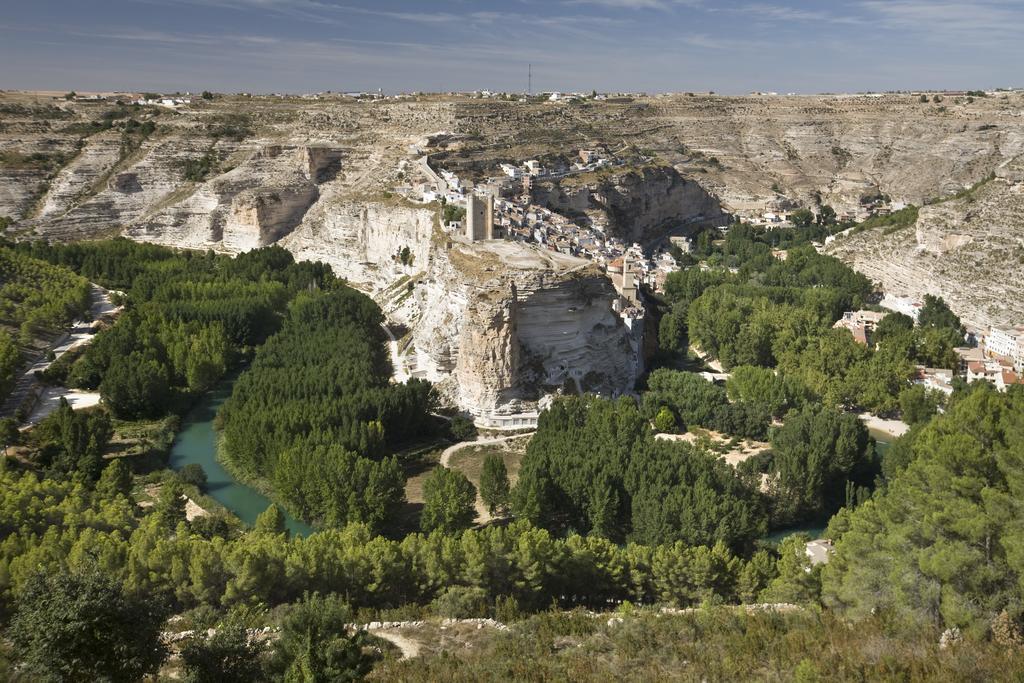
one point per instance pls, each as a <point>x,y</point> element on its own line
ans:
<point>594,467</point>
<point>604,515</point>
<point>315,415</point>
<point>778,314</point>
<point>936,547</point>
<point>189,318</point>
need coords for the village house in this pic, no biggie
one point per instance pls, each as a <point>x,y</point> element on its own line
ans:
<point>861,324</point>
<point>902,304</point>
<point>997,372</point>
<point>935,379</point>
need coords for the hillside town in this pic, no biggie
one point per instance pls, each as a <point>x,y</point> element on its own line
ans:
<point>502,208</point>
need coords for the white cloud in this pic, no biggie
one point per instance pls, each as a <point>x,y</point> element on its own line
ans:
<point>981,22</point>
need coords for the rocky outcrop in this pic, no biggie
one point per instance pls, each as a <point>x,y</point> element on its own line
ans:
<point>638,205</point>
<point>361,240</point>
<point>969,251</point>
<point>541,334</point>
<point>261,217</point>
<point>504,324</point>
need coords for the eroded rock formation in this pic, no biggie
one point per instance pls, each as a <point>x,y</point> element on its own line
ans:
<point>638,205</point>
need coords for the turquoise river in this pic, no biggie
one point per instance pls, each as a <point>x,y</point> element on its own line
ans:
<point>197,443</point>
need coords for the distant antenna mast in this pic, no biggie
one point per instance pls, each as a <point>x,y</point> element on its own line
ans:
<point>529,79</point>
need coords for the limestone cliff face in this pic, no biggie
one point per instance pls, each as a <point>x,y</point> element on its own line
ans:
<point>261,217</point>
<point>361,240</point>
<point>639,205</point>
<point>540,334</point>
<point>968,251</point>
<point>259,200</point>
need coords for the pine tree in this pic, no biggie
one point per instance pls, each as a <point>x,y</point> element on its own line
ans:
<point>494,486</point>
<point>449,501</point>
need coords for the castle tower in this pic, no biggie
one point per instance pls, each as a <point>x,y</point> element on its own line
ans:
<point>629,288</point>
<point>479,217</point>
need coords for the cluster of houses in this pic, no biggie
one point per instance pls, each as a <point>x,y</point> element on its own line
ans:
<point>998,357</point>
<point>502,208</point>
<point>170,102</point>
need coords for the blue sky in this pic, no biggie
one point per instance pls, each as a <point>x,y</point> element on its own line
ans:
<point>650,45</point>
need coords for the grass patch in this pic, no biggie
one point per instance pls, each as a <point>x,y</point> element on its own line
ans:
<point>470,460</point>
<point>146,442</point>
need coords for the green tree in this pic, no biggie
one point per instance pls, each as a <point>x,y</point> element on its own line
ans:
<point>170,505</point>
<point>462,428</point>
<point>943,543</point>
<point>318,646</point>
<point>802,218</point>
<point>759,386</point>
<point>136,387</point>
<point>665,421</point>
<point>936,313</point>
<point>672,330</point>
<point>116,480</point>
<point>73,441</point>
<point>9,433</point>
<point>798,581</point>
<point>10,358</point>
<point>270,521</point>
<point>816,453</point>
<point>917,404</point>
<point>448,501</point>
<point>494,486</point>
<point>193,474</point>
<point>227,656</point>
<point>85,627</point>
<point>892,324</point>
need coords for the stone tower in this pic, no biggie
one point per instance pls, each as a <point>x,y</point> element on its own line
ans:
<point>479,217</point>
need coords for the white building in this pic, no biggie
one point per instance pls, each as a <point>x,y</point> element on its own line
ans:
<point>1006,343</point>
<point>902,304</point>
<point>511,171</point>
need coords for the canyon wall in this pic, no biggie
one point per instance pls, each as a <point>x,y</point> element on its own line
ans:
<point>969,251</point>
<point>638,205</point>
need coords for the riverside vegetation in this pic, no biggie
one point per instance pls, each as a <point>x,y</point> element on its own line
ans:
<point>604,513</point>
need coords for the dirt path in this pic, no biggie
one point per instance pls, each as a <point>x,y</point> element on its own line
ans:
<point>80,334</point>
<point>409,647</point>
<point>446,456</point>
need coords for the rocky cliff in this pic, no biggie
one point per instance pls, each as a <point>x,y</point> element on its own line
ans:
<point>528,323</point>
<point>637,204</point>
<point>969,250</point>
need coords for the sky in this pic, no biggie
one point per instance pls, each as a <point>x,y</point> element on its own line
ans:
<point>298,46</point>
